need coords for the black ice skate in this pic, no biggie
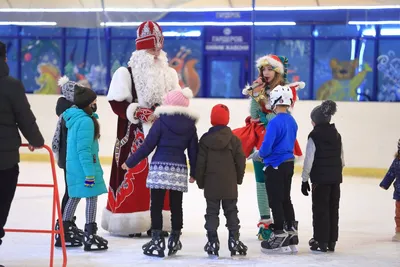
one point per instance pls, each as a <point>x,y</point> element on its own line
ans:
<point>71,234</point>
<point>235,245</point>
<point>277,243</point>
<point>317,246</point>
<point>79,232</point>
<point>174,244</point>
<point>293,236</point>
<point>92,240</point>
<point>212,246</point>
<point>331,246</point>
<point>156,244</point>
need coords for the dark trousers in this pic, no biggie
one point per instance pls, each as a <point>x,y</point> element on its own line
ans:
<point>230,211</point>
<point>325,207</point>
<point>279,183</point>
<point>157,204</point>
<point>8,184</point>
<point>66,196</point>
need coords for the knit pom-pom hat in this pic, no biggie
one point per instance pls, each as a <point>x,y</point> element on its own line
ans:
<point>178,97</point>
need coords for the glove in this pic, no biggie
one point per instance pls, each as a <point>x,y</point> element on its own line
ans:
<point>255,156</point>
<point>89,181</point>
<point>305,188</point>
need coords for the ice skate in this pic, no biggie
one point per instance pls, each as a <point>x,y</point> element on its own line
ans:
<point>264,232</point>
<point>235,245</point>
<point>79,232</point>
<point>277,243</point>
<point>293,236</point>
<point>174,244</point>
<point>317,246</point>
<point>212,245</point>
<point>396,237</point>
<point>92,240</point>
<point>156,244</point>
<point>71,235</point>
<point>331,246</point>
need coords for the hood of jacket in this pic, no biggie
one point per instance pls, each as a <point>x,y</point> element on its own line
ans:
<point>218,137</point>
<point>179,120</point>
<point>72,115</point>
<point>4,69</point>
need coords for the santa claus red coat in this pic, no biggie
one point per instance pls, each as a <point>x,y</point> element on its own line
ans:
<point>133,94</point>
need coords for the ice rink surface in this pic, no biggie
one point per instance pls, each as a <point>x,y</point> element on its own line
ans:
<point>366,228</point>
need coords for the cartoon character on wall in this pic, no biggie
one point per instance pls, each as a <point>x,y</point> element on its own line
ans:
<point>345,82</point>
<point>187,73</point>
<point>49,75</point>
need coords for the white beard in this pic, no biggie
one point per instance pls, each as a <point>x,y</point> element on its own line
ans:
<point>152,77</point>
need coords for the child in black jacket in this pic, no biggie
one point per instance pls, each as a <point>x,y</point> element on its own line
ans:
<point>323,164</point>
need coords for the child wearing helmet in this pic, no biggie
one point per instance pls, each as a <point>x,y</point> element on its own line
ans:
<point>272,71</point>
<point>276,152</point>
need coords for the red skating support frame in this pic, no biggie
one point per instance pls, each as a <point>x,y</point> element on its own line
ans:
<point>56,208</point>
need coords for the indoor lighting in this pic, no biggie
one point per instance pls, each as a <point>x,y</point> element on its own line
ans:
<point>382,22</point>
<point>184,34</point>
<point>275,23</point>
<point>158,10</point>
<point>286,8</point>
<point>28,23</point>
<point>202,23</point>
<point>50,10</point>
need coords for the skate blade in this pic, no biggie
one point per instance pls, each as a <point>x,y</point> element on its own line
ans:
<point>160,255</point>
<point>294,249</point>
<point>281,250</point>
<point>96,248</point>
<point>213,256</point>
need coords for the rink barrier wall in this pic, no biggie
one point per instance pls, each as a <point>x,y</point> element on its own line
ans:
<point>370,130</point>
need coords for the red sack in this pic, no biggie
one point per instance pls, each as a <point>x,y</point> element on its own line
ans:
<point>251,135</point>
<point>297,149</point>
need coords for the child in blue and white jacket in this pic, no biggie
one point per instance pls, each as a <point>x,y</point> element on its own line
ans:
<point>276,152</point>
<point>393,177</point>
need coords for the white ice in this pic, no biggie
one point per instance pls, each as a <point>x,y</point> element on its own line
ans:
<point>366,228</point>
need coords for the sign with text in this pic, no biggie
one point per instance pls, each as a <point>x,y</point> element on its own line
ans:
<point>234,39</point>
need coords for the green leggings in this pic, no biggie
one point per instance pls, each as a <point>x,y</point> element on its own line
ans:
<point>262,197</point>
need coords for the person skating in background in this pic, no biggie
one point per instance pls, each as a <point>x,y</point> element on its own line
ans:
<point>276,152</point>
<point>272,71</point>
<point>220,168</point>
<point>84,172</point>
<point>15,115</point>
<point>59,143</point>
<point>171,134</point>
<point>393,177</point>
<point>323,165</point>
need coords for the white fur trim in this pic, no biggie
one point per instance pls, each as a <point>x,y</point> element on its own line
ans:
<point>245,91</point>
<point>62,81</point>
<point>124,224</point>
<point>120,86</point>
<point>297,85</point>
<point>265,60</point>
<point>130,111</point>
<point>146,129</point>
<point>171,110</point>
<point>187,92</point>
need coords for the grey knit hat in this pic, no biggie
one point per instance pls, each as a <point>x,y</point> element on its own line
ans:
<point>324,112</point>
<point>67,88</point>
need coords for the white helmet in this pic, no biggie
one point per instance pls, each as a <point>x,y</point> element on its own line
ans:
<point>281,96</point>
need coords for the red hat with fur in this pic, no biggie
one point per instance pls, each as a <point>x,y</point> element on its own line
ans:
<point>149,36</point>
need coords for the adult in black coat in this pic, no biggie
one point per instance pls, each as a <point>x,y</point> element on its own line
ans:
<point>15,114</point>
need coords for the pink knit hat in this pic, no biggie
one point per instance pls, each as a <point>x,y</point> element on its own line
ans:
<point>178,97</point>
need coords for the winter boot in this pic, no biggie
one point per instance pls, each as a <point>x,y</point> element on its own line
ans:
<point>318,246</point>
<point>293,235</point>
<point>235,245</point>
<point>92,239</point>
<point>263,229</point>
<point>174,244</point>
<point>278,242</point>
<point>157,243</point>
<point>71,234</point>
<point>212,245</point>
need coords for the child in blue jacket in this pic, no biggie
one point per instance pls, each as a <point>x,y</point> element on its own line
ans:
<point>276,152</point>
<point>393,177</point>
<point>84,172</point>
<point>171,134</point>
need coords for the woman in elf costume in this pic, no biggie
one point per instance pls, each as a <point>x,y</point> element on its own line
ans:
<point>272,71</point>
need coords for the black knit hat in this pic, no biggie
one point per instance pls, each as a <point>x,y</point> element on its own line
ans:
<point>324,112</point>
<point>3,50</point>
<point>83,96</point>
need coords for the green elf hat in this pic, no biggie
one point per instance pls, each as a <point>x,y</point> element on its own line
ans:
<point>278,63</point>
